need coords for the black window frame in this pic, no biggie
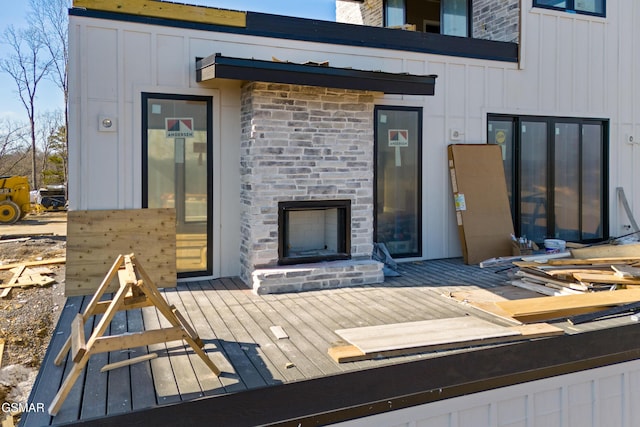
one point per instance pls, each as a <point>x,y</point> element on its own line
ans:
<point>515,184</point>
<point>469,18</point>
<point>571,8</point>
<point>420,113</point>
<point>144,146</point>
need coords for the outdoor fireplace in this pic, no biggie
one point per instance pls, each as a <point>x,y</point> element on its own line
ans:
<point>314,231</point>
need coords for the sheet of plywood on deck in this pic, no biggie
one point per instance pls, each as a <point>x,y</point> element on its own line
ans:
<point>485,299</point>
<point>371,339</point>
<point>351,353</point>
<point>96,238</point>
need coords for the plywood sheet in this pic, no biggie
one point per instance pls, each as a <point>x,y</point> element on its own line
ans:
<point>351,353</point>
<point>424,333</point>
<point>96,238</point>
<point>481,200</point>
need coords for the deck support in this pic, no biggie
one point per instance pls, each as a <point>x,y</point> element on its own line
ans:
<point>136,290</point>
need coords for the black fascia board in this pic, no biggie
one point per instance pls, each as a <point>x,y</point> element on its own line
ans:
<point>223,67</point>
<point>356,394</point>
<point>302,29</point>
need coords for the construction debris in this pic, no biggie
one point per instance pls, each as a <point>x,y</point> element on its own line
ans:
<point>570,276</point>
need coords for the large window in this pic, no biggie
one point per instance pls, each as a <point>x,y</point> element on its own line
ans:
<point>398,147</point>
<point>449,17</point>
<point>556,175</point>
<point>589,7</point>
<point>176,165</point>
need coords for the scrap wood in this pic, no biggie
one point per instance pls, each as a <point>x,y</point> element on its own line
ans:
<point>626,271</point>
<point>605,278</point>
<point>1,350</point>
<point>595,261</point>
<point>278,332</point>
<point>12,282</point>
<point>128,362</point>
<point>8,420</point>
<point>485,299</point>
<point>20,239</point>
<point>607,250</point>
<point>542,288</point>
<point>567,303</point>
<point>620,309</point>
<point>351,353</point>
<point>61,260</point>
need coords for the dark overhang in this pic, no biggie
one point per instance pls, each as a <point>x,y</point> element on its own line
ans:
<point>224,67</point>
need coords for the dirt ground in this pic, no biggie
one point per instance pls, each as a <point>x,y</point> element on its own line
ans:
<point>28,315</point>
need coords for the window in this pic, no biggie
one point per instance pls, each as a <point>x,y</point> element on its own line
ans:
<point>398,174</point>
<point>448,17</point>
<point>176,164</point>
<point>589,7</point>
<point>556,175</point>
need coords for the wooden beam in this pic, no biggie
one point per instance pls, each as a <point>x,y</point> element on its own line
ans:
<point>543,305</point>
<point>167,10</point>
<point>108,343</point>
<point>31,263</point>
<point>78,342</point>
<point>128,362</point>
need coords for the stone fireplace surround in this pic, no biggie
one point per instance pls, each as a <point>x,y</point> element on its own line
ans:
<point>305,143</point>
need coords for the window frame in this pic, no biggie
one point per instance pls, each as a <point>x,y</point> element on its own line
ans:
<point>419,208</point>
<point>144,147</point>
<point>469,18</point>
<point>570,8</point>
<point>516,163</point>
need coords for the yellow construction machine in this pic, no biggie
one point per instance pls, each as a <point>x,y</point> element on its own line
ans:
<point>15,201</point>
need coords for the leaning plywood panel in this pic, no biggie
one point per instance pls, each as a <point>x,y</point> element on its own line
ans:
<point>480,194</point>
<point>96,238</point>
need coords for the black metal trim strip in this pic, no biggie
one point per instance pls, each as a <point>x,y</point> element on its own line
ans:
<point>289,28</point>
<point>369,392</point>
<point>218,66</point>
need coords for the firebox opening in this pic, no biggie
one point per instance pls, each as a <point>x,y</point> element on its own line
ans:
<point>314,231</point>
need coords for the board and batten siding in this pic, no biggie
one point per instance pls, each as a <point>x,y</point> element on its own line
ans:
<point>571,65</point>
<point>599,397</point>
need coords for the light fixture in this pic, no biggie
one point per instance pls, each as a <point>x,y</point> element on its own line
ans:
<point>106,124</point>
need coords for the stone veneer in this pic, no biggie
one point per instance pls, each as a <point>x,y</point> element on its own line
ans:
<point>305,143</point>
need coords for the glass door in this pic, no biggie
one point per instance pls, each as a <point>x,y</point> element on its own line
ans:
<point>177,140</point>
<point>398,177</point>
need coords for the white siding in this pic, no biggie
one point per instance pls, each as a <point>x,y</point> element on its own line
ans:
<point>603,397</point>
<point>572,65</point>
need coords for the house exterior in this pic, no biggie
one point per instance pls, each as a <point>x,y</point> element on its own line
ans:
<point>290,146</point>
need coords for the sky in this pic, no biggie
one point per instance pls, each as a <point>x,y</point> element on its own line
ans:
<point>49,97</point>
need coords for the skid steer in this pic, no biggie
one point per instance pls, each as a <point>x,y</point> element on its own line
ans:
<point>15,200</point>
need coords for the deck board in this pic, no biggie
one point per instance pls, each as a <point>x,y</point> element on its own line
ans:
<point>234,325</point>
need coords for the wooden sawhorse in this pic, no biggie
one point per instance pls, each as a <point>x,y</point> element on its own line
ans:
<point>136,290</point>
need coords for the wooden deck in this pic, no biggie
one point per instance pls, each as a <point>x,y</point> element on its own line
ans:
<point>235,326</point>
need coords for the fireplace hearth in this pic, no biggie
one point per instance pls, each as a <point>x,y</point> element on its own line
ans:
<point>314,231</point>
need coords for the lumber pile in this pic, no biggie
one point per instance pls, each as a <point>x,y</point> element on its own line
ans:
<point>574,275</point>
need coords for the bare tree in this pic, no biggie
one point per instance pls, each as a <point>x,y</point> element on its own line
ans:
<point>52,134</point>
<point>51,18</point>
<point>14,146</point>
<point>27,66</point>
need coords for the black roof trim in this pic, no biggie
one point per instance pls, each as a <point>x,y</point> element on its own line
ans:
<point>223,67</point>
<point>290,28</point>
